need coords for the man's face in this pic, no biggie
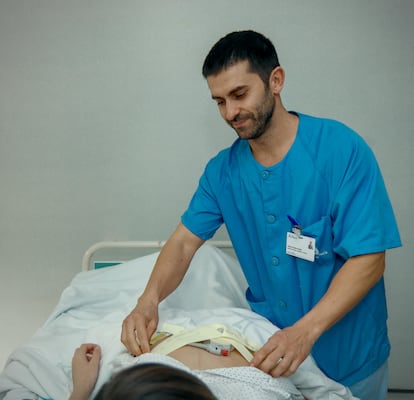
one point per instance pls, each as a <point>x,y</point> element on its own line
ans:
<point>244,101</point>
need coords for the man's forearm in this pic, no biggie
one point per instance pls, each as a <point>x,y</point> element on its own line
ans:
<point>172,264</point>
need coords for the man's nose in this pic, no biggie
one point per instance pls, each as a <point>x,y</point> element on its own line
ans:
<point>232,110</point>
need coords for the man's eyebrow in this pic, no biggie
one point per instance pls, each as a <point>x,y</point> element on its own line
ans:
<point>232,92</point>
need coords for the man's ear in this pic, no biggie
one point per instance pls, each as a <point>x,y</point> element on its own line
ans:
<point>277,80</point>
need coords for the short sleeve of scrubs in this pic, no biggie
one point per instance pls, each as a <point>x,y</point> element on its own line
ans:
<point>203,216</point>
<point>363,218</point>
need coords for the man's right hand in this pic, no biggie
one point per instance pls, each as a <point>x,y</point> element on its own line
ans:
<point>139,326</point>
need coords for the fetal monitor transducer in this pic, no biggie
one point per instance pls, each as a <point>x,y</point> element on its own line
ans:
<point>213,347</point>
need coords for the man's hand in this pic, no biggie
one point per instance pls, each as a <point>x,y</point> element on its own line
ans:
<point>139,326</point>
<point>85,368</point>
<point>282,354</point>
<point>287,349</point>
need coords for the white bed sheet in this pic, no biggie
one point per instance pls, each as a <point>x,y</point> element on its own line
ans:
<point>92,308</point>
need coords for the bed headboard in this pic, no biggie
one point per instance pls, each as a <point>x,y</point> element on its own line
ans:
<point>155,245</point>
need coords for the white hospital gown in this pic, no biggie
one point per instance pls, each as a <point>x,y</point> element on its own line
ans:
<point>242,383</point>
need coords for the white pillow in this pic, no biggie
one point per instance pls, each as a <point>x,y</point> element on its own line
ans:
<point>214,279</point>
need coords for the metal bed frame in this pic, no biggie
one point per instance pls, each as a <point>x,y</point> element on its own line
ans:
<point>156,244</point>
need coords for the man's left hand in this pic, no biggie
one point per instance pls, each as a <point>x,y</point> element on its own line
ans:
<point>282,354</point>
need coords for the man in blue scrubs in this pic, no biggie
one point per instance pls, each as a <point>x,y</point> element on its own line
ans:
<point>305,206</point>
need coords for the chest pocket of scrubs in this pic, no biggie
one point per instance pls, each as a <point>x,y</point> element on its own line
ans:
<point>322,232</point>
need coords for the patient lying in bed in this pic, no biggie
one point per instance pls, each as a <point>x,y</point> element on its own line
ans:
<point>228,376</point>
<point>163,377</point>
<point>92,308</point>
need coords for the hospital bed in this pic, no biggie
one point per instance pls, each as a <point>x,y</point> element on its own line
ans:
<point>92,307</point>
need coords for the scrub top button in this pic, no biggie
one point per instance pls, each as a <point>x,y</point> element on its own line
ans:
<point>271,219</point>
<point>275,261</point>
<point>265,174</point>
<point>282,304</point>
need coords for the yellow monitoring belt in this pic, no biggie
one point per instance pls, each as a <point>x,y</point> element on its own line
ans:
<point>215,338</point>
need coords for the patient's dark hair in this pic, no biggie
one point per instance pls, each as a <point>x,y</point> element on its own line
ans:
<point>153,381</point>
<point>241,46</point>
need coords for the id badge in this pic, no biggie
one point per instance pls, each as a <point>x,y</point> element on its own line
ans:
<point>300,246</point>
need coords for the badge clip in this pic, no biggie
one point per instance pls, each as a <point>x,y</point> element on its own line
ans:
<point>296,228</point>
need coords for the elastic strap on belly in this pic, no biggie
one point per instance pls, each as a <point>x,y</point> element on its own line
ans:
<point>220,333</point>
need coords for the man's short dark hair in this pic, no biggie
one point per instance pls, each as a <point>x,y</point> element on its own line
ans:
<point>241,46</point>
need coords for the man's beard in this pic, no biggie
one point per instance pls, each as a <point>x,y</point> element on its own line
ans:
<point>260,119</point>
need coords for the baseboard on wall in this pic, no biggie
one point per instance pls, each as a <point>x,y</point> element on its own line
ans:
<point>392,390</point>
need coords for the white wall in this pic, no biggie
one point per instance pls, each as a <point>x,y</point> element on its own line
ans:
<point>106,124</point>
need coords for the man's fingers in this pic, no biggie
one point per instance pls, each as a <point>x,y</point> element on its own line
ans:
<point>280,367</point>
<point>266,357</point>
<point>258,358</point>
<point>142,339</point>
<point>129,336</point>
<point>285,367</point>
<point>138,327</point>
<point>272,357</point>
<point>276,360</point>
<point>291,369</point>
<point>271,363</point>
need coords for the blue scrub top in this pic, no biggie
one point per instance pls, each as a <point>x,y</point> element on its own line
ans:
<point>329,181</point>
